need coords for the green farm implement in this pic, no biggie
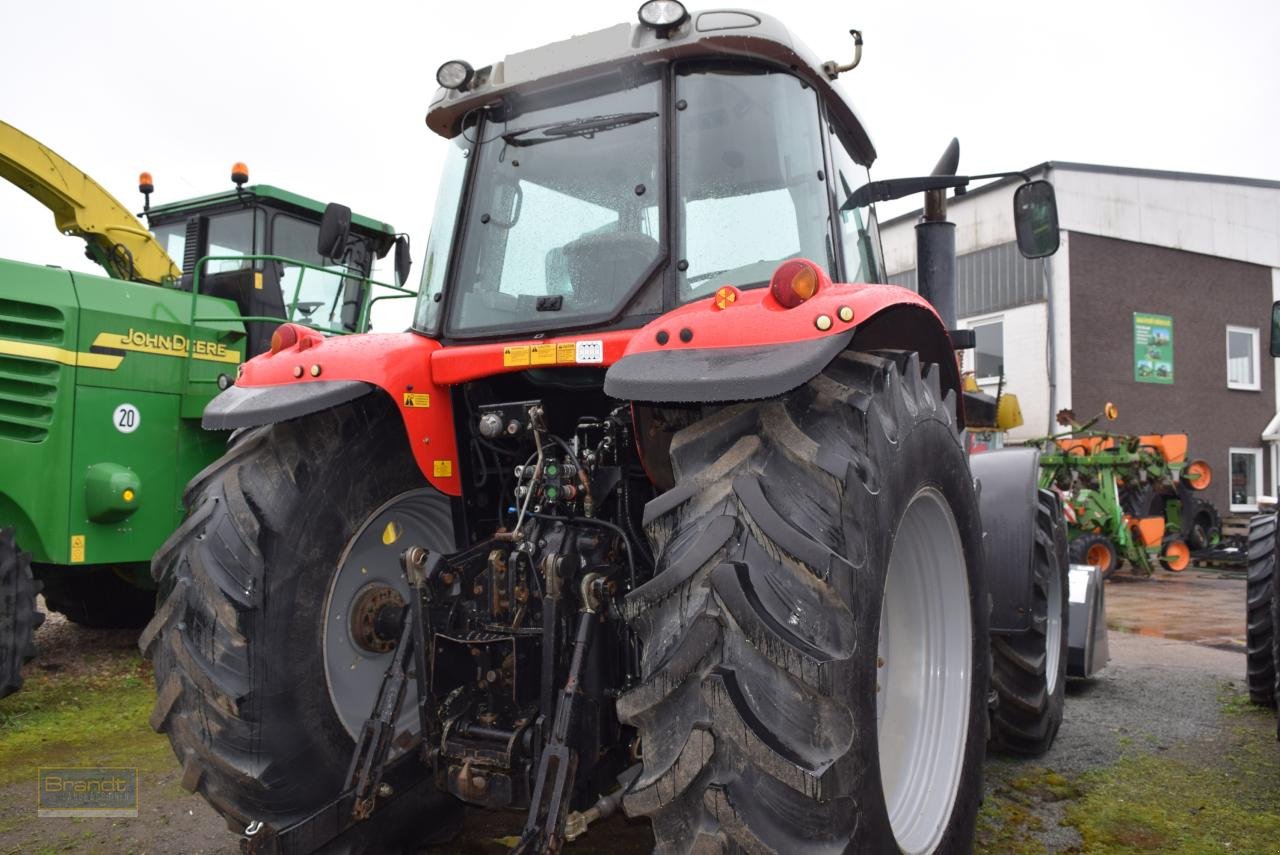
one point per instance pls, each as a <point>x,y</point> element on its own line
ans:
<point>103,378</point>
<point>1129,497</point>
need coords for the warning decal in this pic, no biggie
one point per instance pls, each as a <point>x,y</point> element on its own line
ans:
<point>542,354</point>
<point>442,469</point>
<point>417,399</point>
<point>515,355</point>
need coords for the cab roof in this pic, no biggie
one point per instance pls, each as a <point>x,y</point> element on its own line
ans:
<point>270,194</point>
<point>730,33</point>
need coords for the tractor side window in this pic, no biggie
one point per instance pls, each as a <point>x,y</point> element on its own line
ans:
<point>859,232</point>
<point>750,176</point>
<point>231,234</point>
<point>440,240</point>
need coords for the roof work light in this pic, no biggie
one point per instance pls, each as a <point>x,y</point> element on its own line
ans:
<point>663,15</point>
<point>454,74</point>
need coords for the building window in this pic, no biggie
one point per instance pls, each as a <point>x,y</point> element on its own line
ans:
<point>988,352</point>
<point>1242,358</point>
<point>1246,478</point>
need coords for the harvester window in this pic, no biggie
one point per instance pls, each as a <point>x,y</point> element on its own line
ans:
<point>173,237</point>
<point>234,233</point>
<point>563,214</point>
<point>750,176</point>
<point>326,299</point>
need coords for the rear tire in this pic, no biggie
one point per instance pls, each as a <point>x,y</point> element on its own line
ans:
<point>19,617</point>
<point>1029,671</point>
<point>759,711</point>
<point>97,598</point>
<point>1260,626</point>
<point>1097,550</point>
<point>238,640</point>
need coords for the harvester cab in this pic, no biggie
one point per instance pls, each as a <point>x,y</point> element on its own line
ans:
<point>103,378</point>
<point>662,503</point>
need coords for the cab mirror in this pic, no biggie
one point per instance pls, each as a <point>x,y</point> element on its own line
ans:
<point>1275,328</point>
<point>1035,219</point>
<point>404,261</point>
<point>335,226</point>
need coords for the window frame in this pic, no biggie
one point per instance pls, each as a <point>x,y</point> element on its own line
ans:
<point>1256,454</point>
<point>972,325</point>
<point>1255,334</point>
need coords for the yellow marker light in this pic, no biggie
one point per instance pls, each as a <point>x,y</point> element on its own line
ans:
<point>127,495</point>
<point>315,370</point>
<point>822,322</point>
<point>845,313</point>
<point>726,296</point>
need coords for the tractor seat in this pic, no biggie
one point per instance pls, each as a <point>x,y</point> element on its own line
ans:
<point>602,266</point>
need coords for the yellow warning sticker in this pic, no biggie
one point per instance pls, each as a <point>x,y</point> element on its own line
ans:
<point>442,468</point>
<point>566,351</point>
<point>391,533</point>
<point>542,354</point>
<point>417,399</point>
<point>515,355</point>
<point>257,280</point>
<point>77,549</point>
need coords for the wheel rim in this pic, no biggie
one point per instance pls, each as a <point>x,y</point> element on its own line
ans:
<point>368,577</point>
<point>924,673</point>
<point>1053,627</point>
<point>1098,556</point>
<point>1177,556</point>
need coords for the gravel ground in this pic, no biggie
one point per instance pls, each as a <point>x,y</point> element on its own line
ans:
<point>1157,695</point>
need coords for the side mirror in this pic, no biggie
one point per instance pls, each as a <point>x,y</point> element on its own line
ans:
<point>335,226</point>
<point>404,261</point>
<point>1035,219</point>
<point>1275,329</point>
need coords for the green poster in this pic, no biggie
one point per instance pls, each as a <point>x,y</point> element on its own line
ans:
<point>1152,348</point>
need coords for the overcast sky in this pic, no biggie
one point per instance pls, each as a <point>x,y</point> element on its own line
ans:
<point>328,99</point>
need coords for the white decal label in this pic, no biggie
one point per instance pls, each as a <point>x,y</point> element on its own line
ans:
<point>126,418</point>
<point>590,351</point>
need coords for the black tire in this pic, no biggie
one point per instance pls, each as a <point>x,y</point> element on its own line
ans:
<point>1260,670</point>
<point>237,637</point>
<point>1030,689</point>
<point>97,598</point>
<point>1143,501</point>
<point>757,707</point>
<point>19,617</point>
<point>1201,525</point>
<point>1080,547</point>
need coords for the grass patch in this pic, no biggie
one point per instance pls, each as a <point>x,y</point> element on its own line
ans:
<point>1153,803</point>
<point>97,717</point>
<point>1008,822</point>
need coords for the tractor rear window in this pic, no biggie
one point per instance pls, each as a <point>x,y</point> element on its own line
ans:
<point>563,222</point>
<point>750,176</point>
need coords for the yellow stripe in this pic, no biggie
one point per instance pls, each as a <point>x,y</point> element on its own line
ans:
<point>48,353</point>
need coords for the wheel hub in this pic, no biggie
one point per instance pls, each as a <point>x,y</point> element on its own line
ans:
<point>376,616</point>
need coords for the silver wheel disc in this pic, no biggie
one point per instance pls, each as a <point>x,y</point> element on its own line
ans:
<point>1053,629</point>
<point>367,577</point>
<point>924,673</point>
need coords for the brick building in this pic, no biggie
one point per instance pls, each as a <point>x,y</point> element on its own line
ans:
<point>1159,300</point>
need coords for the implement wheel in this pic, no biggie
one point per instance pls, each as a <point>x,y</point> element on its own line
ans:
<point>815,655</point>
<point>1096,550</point>
<point>265,661</point>
<point>1030,670</point>
<point>18,615</point>
<point>1175,555</point>
<point>1260,627</point>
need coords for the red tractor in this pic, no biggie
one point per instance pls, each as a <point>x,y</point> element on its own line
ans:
<point>662,502</point>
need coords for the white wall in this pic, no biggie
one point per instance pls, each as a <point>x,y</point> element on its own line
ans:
<point>1024,365</point>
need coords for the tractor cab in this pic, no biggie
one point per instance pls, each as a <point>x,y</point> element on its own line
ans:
<point>602,194</point>
<point>258,246</point>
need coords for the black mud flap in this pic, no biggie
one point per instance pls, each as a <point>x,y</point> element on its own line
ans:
<point>708,374</point>
<point>253,406</point>
<point>1008,481</point>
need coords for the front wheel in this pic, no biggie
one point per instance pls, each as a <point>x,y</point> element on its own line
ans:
<point>266,650</point>
<point>815,650</point>
<point>18,615</point>
<point>1030,670</point>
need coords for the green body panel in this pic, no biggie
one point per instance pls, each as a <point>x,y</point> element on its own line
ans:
<point>61,437</point>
